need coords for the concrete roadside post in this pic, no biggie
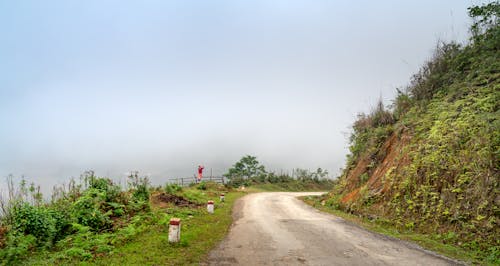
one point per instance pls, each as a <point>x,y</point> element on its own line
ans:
<point>174,230</point>
<point>221,197</point>
<point>210,206</point>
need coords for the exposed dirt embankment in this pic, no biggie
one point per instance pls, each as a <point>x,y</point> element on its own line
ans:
<point>164,199</point>
<point>392,157</point>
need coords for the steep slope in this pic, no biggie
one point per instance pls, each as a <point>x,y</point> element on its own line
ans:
<point>431,164</point>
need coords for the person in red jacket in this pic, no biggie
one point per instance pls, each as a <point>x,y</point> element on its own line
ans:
<point>200,172</point>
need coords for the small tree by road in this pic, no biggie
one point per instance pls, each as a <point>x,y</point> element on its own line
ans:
<point>247,168</point>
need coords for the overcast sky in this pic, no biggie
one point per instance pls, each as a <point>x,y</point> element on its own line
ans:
<point>162,86</point>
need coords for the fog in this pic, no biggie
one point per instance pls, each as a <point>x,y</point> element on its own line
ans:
<point>162,86</point>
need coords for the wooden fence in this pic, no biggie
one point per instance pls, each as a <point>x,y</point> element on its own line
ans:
<point>186,181</point>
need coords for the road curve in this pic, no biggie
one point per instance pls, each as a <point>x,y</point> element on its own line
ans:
<point>276,228</point>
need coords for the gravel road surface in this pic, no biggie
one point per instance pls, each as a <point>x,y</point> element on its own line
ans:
<point>276,228</point>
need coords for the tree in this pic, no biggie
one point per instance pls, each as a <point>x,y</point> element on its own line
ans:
<point>304,174</point>
<point>320,174</point>
<point>485,19</point>
<point>247,168</point>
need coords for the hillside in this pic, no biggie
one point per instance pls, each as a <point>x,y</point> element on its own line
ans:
<point>430,162</point>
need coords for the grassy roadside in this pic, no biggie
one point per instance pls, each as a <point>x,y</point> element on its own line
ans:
<point>289,186</point>
<point>200,232</point>
<point>140,234</point>
<point>422,240</point>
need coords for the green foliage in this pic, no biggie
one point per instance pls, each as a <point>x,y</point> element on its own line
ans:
<point>196,196</point>
<point>363,178</point>
<point>172,188</point>
<point>296,185</point>
<point>247,168</point>
<point>274,178</point>
<point>139,186</point>
<point>84,243</point>
<point>87,210</point>
<point>306,175</point>
<point>446,133</point>
<point>401,104</point>
<point>82,220</point>
<point>24,193</point>
<point>369,133</point>
<point>248,171</point>
<point>436,74</point>
<point>202,185</point>
<point>17,247</point>
<point>486,20</point>
<point>36,221</point>
<point>239,181</point>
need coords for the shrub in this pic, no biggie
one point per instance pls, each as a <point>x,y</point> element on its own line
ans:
<point>139,186</point>
<point>202,185</point>
<point>36,221</point>
<point>237,181</point>
<point>111,191</point>
<point>62,223</point>
<point>172,188</point>
<point>85,243</point>
<point>436,73</point>
<point>86,210</point>
<point>17,247</point>
<point>401,104</point>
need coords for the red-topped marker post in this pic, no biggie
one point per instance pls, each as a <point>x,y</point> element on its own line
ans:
<point>210,206</point>
<point>174,230</point>
<point>221,197</point>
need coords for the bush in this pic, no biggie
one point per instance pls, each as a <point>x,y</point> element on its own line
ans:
<point>36,221</point>
<point>17,247</point>
<point>202,185</point>
<point>139,186</point>
<point>172,188</point>
<point>62,223</point>
<point>83,210</point>
<point>111,191</point>
<point>237,181</point>
<point>436,73</point>
<point>401,105</point>
<point>84,243</point>
<point>86,210</point>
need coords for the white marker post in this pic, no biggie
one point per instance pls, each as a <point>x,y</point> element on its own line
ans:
<point>174,230</point>
<point>221,197</point>
<point>210,206</point>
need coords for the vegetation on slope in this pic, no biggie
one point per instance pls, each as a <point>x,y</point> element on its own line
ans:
<point>430,164</point>
<point>97,222</point>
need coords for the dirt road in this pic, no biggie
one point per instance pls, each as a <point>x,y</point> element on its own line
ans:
<point>278,229</point>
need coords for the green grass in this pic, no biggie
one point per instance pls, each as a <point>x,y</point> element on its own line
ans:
<point>429,242</point>
<point>143,238</point>
<point>200,232</point>
<point>290,186</point>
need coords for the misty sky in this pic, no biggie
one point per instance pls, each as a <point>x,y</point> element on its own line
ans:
<point>162,86</point>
